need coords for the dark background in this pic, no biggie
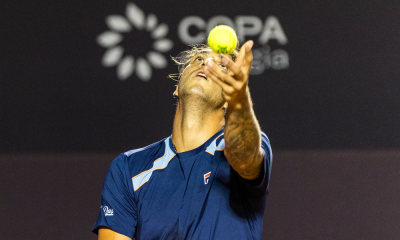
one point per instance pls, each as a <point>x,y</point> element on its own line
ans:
<point>332,116</point>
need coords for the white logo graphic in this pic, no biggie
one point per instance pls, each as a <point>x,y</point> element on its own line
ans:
<point>245,26</point>
<point>108,212</point>
<point>121,27</point>
<point>206,176</point>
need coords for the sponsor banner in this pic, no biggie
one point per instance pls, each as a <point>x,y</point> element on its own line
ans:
<point>126,26</point>
<point>91,76</point>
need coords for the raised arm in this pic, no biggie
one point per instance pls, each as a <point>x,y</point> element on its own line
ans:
<point>242,131</point>
<point>243,140</point>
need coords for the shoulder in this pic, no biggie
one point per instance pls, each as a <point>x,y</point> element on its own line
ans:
<point>136,160</point>
<point>219,143</point>
<point>264,137</point>
<point>146,149</point>
<point>266,144</point>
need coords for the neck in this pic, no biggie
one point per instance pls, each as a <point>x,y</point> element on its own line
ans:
<point>194,124</point>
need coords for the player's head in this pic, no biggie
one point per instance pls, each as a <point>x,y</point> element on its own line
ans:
<point>183,58</point>
<point>191,81</point>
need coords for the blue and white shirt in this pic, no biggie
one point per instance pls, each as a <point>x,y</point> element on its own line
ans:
<point>156,193</point>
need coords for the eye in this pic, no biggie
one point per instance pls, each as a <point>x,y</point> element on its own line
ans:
<point>198,59</point>
<point>223,67</point>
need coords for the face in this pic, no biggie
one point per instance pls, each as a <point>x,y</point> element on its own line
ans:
<point>194,83</point>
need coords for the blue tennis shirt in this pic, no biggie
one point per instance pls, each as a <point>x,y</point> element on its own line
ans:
<point>156,193</point>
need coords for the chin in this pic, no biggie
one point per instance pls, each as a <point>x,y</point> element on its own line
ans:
<point>195,92</point>
<point>194,89</point>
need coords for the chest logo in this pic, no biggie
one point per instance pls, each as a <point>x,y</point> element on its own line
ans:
<point>206,176</point>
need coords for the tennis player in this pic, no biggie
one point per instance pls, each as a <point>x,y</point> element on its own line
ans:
<point>209,179</point>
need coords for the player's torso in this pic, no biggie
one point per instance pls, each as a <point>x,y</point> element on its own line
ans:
<point>197,199</point>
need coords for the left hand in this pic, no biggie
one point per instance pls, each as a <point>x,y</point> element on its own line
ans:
<point>234,82</point>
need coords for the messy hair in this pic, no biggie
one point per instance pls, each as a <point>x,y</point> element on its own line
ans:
<point>183,58</point>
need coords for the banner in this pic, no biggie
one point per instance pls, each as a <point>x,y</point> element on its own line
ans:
<point>92,77</point>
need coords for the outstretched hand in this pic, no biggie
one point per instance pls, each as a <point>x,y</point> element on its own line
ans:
<point>234,82</point>
<point>242,131</point>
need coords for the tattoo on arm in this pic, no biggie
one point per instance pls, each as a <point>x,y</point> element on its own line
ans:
<point>243,141</point>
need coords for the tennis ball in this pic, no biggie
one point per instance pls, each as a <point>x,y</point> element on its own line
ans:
<point>222,39</point>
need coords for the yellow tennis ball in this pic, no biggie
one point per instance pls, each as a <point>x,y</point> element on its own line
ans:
<point>222,39</point>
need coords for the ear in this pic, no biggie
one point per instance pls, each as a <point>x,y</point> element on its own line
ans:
<point>175,94</point>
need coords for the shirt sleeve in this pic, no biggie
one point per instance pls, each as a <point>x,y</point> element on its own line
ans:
<point>259,186</point>
<point>118,209</point>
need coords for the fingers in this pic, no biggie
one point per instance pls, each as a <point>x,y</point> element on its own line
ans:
<point>232,85</point>
<point>242,53</point>
<point>235,68</point>
<point>217,73</point>
<point>242,66</point>
<point>226,88</point>
<point>249,55</point>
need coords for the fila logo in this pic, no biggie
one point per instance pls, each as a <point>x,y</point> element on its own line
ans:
<point>206,176</point>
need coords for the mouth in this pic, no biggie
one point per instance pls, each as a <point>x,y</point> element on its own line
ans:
<point>201,74</point>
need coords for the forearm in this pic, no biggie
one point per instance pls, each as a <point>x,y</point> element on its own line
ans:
<point>243,139</point>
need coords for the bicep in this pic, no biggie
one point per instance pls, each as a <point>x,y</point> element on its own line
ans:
<point>109,234</point>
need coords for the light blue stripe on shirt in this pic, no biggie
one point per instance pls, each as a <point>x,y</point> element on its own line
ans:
<point>158,164</point>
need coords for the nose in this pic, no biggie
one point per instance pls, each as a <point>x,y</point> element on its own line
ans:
<point>206,60</point>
